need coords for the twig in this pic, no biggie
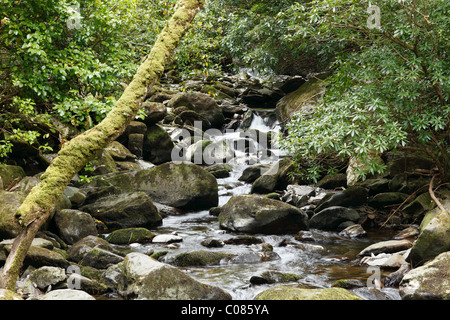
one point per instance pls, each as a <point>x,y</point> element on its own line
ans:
<point>433,196</point>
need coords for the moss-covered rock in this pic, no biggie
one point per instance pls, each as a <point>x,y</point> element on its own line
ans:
<point>430,281</point>
<point>301,100</point>
<point>434,237</point>
<point>293,293</point>
<point>256,214</point>
<point>274,277</point>
<point>9,202</point>
<point>9,173</point>
<point>130,235</point>
<point>179,185</point>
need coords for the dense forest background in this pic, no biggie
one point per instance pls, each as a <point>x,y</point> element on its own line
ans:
<point>64,64</point>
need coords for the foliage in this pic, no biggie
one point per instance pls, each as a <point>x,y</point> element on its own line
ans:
<point>71,59</point>
<point>390,91</point>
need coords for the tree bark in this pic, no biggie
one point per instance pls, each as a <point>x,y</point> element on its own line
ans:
<point>74,155</point>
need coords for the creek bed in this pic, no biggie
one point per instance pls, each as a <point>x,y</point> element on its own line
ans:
<point>320,263</point>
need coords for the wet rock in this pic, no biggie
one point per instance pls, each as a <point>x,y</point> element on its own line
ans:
<point>430,281</point>
<point>167,238</point>
<point>354,231</point>
<point>347,283</point>
<point>256,214</point>
<point>276,178</point>
<point>244,240</point>
<point>199,258</point>
<point>330,218</point>
<point>293,293</point>
<point>212,243</point>
<point>389,246</point>
<point>269,277</point>
<point>146,278</point>
<point>125,210</point>
<point>387,198</point>
<point>67,294</point>
<point>130,235</point>
<point>73,225</point>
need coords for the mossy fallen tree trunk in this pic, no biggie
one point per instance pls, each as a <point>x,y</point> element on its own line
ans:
<point>74,155</point>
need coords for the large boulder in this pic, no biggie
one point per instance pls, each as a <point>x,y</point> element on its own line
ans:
<point>179,185</point>
<point>147,278</point>
<point>203,105</point>
<point>428,282</point>
<point>434,237</point>
<point>125,210</point>
<point>257,214</point>
<point>293,293</point>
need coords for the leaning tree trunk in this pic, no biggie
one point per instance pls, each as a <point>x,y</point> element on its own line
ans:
<point>74,155</point>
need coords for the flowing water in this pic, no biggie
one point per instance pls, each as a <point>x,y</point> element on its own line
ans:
<point>329,257</point>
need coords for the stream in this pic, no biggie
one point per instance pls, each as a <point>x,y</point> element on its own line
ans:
<point>327,257</point>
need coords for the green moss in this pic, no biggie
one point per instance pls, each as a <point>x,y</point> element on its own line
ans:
<point>130,235</point>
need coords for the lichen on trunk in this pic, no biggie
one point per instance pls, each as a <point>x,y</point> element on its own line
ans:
<point>41,201</point>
